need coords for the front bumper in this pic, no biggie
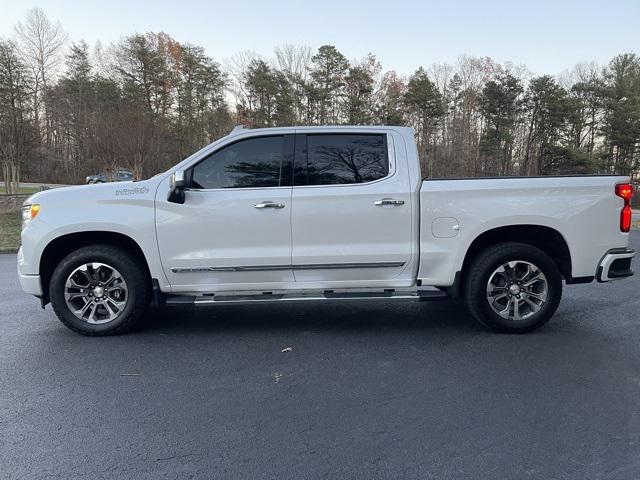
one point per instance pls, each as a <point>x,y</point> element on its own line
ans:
<point>615,265</point>
<point>29,283</point>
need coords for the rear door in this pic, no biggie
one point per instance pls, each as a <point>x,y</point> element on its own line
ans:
<point>351,210</point>
<point>234,229</point>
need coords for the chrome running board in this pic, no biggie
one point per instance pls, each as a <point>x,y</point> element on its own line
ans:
<point>224,298</point>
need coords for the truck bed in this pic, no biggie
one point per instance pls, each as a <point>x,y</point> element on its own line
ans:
<point>454,212</point>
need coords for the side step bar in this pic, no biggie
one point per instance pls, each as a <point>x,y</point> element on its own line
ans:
<point>269,297</point>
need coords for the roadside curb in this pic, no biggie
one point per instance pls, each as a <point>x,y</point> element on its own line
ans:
<point>8,250</point>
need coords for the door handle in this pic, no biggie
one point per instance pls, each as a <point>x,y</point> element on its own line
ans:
<point>269,205</point>
<point>388,201</point>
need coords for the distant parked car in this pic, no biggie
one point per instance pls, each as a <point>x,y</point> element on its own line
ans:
<point>120,175</point>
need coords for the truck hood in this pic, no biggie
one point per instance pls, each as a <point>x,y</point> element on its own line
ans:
<point>115,207</point>
<point>103,192</point>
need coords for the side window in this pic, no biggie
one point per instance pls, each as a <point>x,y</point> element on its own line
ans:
<point>345,159</point>
<point>254,162</point>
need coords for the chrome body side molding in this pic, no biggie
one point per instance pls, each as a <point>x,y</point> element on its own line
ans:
<point>310,266</point>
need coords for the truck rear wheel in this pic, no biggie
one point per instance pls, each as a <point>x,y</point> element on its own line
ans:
<point>99,290</point>
<point>513,287</point>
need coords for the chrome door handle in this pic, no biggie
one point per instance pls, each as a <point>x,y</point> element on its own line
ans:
<point>269,205</point>
<point>388,201</point>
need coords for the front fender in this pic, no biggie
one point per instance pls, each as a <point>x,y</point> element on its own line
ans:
<point>125,208</point>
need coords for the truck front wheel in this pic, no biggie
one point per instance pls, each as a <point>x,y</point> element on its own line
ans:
<point>99,290</point>
<point>513,287</point>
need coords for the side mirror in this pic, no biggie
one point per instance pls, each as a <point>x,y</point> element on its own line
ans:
<point>178,180</point>
<point>177,184</point>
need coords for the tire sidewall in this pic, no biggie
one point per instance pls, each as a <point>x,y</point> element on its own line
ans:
<point>113,257</point>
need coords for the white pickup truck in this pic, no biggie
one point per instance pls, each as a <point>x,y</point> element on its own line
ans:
<point>320,213</point>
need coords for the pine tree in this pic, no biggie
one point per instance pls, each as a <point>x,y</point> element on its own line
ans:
<point>424,105</point>
<point>328,74</point>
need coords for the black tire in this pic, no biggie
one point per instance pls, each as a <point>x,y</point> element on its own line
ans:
<point>138,292</point>
<point>481,271</point>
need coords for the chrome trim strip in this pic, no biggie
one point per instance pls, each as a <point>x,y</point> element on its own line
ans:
<point>611,256</point>
<point>249,268</point>
<point>310,266</point>
<point>323,266</point>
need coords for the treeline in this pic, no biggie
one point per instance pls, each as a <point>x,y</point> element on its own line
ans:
<point>147,101</point>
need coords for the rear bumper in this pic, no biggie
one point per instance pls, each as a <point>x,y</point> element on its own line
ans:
<point>615,265</point>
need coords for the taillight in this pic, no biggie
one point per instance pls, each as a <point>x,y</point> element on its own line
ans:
<point>625,191</point>
<point>625,218</point>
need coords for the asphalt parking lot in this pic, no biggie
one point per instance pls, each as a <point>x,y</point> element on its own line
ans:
<point>369,390</point>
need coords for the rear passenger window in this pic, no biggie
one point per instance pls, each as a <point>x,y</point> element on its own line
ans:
<point>343,159</point>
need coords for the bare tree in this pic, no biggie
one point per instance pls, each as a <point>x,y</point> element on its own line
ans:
<point>17,136</point>
<point>295,62</point>
<point>41,45</point>
<point>237,68</point>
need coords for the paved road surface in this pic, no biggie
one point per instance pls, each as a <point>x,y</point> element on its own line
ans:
<point>369,391</point>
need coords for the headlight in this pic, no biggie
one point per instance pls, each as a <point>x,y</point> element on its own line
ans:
<point>29,212</point>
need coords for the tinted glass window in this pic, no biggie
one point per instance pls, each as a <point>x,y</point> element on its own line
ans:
<point>340,159</point>
<point>255,162</point>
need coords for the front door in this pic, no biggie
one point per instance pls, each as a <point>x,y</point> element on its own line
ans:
<point>233,231</point>
<point>351,213</point>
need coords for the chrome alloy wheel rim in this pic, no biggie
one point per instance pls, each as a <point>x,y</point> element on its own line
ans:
<point>96,293</point>
<point>517,290</point>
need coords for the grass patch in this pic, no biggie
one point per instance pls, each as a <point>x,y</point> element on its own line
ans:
<point>10,227</point>
<point>24,190</point>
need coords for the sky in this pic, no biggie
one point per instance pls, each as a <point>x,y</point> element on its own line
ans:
<point>547,36</point>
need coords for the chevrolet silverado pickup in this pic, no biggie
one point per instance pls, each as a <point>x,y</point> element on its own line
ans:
<point>320,213</point>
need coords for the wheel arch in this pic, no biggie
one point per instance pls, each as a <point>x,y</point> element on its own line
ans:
<point>61,246</point>
<point>547,239</point>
